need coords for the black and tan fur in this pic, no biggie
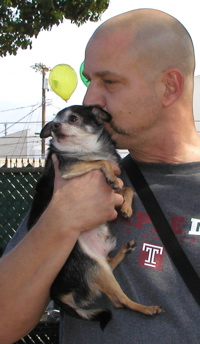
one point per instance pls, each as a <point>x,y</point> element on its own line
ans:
<point>82,144</point>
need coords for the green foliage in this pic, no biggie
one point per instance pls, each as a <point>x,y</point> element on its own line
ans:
<point>20,20</point>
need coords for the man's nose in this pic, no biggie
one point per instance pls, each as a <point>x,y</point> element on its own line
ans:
<point>94,97</point>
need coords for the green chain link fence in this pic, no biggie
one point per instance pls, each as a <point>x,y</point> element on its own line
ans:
<point>16,194</point>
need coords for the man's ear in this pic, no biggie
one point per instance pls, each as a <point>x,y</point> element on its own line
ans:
<point>173,81</point>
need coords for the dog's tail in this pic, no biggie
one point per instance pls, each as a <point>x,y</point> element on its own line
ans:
<point>102,315</point>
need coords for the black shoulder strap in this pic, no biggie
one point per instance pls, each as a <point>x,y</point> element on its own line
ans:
<point>162,227</point>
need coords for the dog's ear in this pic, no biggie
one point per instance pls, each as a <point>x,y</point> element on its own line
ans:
<point>101,115</point>
<point>46,131</point>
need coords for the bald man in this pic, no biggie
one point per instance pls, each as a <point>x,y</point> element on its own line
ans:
<point>141,69</point>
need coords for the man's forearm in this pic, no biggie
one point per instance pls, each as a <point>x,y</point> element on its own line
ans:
<point>26,274</point>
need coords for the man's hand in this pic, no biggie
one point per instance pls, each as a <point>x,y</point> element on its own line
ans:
<point>84,202</point>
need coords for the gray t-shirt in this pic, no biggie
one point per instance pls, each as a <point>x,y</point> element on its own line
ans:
<point>147,275</point>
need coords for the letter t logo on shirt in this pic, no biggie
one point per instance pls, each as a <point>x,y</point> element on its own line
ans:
<point>151,256</point>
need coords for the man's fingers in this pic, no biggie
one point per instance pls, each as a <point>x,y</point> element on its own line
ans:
<point>119,200</point>
<point>55,162</point>
<point>121,184</point>
<point>58,180</point>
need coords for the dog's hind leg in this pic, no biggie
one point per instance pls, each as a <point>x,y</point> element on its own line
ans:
<point>123,252</point>
<point>107,284</point>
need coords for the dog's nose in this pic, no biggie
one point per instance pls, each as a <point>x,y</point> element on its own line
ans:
<point>55,125</point>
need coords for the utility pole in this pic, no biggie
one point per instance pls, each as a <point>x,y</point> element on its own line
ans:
<point>5,129</point>
<point>40,67</point>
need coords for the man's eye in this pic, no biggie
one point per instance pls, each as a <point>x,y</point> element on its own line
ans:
<point>110,82</point>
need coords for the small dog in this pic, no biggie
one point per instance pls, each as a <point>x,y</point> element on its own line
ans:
<point>82,144</point>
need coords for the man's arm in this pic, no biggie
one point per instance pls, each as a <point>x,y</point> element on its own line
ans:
<point>28,271</point>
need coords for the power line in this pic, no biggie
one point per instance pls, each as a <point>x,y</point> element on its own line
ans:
<point>35,122</point>
<point>16,137</point>
<point>22,118</point>
<point>22,107</point>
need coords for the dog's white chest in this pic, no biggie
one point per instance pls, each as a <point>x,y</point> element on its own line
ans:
<point>97,242</point>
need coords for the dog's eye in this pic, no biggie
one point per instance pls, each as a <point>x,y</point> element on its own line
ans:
<point>73,118</point>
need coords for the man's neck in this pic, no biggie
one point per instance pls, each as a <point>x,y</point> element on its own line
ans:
<point>174,151</point>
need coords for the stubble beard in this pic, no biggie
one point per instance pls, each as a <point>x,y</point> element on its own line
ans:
<point>120,136</point>
<point>118,130</point>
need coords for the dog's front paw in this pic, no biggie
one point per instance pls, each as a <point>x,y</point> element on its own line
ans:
<point>113,183</point>
<point>126,210</point>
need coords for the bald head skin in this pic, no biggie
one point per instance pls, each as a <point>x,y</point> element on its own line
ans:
<point>140,65</point>
<point>156,39</point>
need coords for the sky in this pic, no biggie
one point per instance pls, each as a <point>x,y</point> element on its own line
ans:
<point>21,86</point>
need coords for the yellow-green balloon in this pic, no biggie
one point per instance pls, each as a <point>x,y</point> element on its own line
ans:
<point>63,80</point>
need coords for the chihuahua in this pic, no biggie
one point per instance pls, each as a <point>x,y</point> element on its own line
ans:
<point>81,144</point>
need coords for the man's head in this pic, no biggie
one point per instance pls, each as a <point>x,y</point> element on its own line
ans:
<point>140,64</point>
